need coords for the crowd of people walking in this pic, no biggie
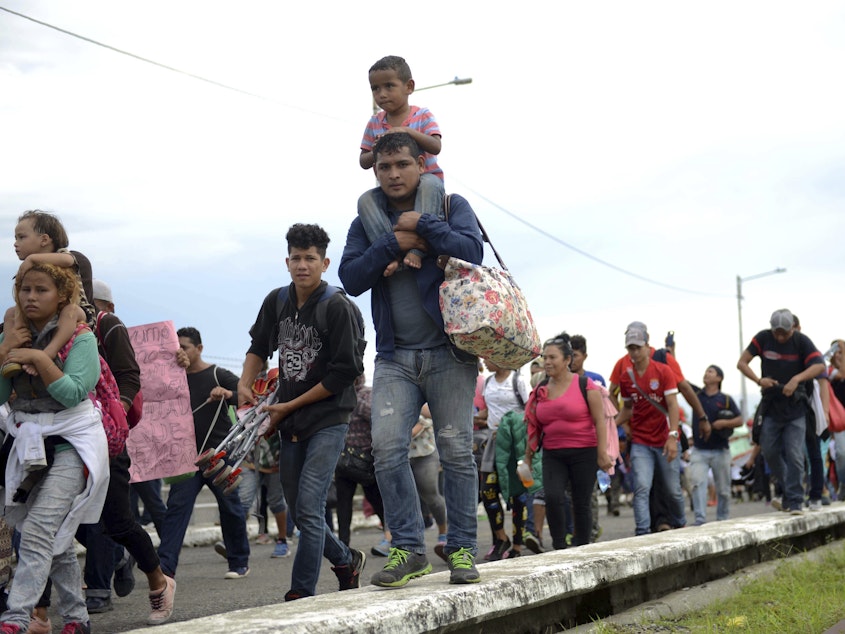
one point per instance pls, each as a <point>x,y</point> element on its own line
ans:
<point>427,443</point>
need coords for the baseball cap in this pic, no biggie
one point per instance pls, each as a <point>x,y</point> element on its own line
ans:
<point>782,320</point>
<point>636,334</point>
<point>102,291</point>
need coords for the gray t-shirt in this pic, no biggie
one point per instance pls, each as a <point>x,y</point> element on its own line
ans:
<point>413,328</point>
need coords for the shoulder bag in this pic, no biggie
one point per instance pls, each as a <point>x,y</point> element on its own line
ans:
<point>485,312</point>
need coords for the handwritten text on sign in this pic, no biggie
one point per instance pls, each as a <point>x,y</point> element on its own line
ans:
<point>163,443</point>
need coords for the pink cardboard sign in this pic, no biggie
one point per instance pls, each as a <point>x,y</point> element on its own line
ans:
<point>163,443</point>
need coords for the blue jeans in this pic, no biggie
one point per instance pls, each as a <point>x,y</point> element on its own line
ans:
<point>180,505</point>
<point>814,460</point>
<point>645,461</point>
<point>306,468</point>
<point>782,442</point>
<point>426,469</point>
<point>48,505</point>
<point>252,480</point>
<point>839,438</point>
<point>445,378</point>
<point>701,461</point>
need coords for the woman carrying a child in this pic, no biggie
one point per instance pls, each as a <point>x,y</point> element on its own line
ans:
<point>572,429</point>
<point>59,448</point>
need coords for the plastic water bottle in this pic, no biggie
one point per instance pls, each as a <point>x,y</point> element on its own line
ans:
<point>524,473</point>
<point>603,480</point>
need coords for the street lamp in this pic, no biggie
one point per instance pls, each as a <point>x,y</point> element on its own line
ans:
<point>457,81</point>
<point>739,281</point>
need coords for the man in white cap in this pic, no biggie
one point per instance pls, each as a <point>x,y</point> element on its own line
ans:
<point>649,393</point>
<point>788,364</point>
<point>102,299</point>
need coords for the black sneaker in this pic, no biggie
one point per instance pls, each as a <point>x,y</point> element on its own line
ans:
<point>124,577</point>
<point>401,567</point>
<point>76,627</point>
<point>349,575</point>
<point>462,566</point>
<point>98,605</point>
<point>500,547</point>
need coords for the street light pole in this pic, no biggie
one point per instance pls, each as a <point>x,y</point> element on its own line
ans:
<point>739,281</point>
<point>457,81</point>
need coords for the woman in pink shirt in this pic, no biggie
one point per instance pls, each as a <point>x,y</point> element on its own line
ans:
<point>571,430</point>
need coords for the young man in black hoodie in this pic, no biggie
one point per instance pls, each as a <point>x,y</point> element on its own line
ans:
<point>316,331</point>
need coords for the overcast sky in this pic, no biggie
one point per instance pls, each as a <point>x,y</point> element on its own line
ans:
<point>685,144</point>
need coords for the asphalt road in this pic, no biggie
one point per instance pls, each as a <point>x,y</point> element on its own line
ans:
<point>202,590</point>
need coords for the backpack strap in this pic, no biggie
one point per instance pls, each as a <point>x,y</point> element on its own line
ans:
<point>322,310</point>
<point>515,382</point>
<point>65,350</point>
<point>582,383</point>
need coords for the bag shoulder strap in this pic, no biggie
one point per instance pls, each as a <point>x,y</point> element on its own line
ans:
<point>646,396</point>
<point>447,204</point>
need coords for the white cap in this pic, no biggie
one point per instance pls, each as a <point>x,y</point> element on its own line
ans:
<point>102,291</point>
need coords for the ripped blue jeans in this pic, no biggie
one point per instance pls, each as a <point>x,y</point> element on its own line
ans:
<point>445,378</point>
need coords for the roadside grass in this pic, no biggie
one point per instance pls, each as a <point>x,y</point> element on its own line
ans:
<point>801,597</point>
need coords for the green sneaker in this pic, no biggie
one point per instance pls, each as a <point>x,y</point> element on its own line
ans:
<point>462,566</point>
<point>401,567</point>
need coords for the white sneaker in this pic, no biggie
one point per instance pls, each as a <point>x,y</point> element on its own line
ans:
<point>777,504</point>
<point>237,573</point>
<point>815,505</point>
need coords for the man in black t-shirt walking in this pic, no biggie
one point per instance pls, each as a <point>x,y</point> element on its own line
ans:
<point>208,384</point>
<point>788,362</point>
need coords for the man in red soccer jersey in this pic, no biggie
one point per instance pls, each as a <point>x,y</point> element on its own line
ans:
<point>649,393</point>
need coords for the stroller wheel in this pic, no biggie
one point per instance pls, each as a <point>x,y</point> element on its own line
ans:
<point>232,485</point>
<point>222,476</point>
<point>204,458</point>
<point>213,468</point>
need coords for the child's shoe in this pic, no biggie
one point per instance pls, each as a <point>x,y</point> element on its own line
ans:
<point>11,369</point>
<point>500,547</point>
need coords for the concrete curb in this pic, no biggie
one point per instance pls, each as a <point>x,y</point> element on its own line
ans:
<point>550,588</point>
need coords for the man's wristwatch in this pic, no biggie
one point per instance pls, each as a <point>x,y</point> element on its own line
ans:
<point>703,418</point>
<point>673,434</point>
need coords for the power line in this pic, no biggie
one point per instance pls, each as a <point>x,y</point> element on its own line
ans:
<point>581,252</point>
<point>173,69</point>
<point>262,97</point>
